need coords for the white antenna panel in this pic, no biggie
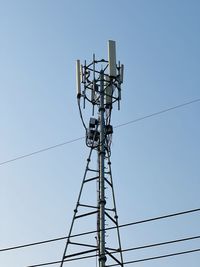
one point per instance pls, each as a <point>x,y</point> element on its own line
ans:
<point>78,78</point>
<point>112,58</point>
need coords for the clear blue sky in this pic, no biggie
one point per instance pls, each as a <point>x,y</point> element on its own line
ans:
<point>155,162</point>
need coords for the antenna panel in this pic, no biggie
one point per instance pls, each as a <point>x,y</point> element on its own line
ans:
<point>78,78</point>
<point>112,58</point>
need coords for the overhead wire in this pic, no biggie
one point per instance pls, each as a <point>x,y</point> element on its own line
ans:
<point>126,250</point>
<point>41,150</point>
<point>157,257</point>
<point>158,113</point>
<point>117,126</point>
<point>125,263</point>
<point>109,228</point>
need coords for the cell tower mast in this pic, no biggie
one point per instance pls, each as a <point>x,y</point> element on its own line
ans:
<point>98,83</point>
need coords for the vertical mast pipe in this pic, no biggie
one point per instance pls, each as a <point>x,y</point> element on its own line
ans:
<point>102,202</point>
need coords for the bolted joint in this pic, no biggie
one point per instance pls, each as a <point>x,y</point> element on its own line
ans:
<point>102,258</point>
<point>102,201</point>
<point>79,96</point>
<point>101,109</point>
<point>102,153</point>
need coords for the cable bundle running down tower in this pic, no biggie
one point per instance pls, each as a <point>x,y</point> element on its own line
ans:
<point>99,84</point>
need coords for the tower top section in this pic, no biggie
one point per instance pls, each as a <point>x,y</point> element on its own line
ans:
<point>89,76</point>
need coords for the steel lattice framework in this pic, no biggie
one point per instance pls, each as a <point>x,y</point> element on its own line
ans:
<point>99,84</point>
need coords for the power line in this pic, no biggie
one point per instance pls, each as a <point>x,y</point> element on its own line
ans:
<point>128,262</point>
<point>117,126</point>
<point>158,113</point>
<point>41,150</point>
<point>95,231</point>
<point>162,243</point>
<point>157,257</point>
<point>160,217</point>
<point>123,250</point>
